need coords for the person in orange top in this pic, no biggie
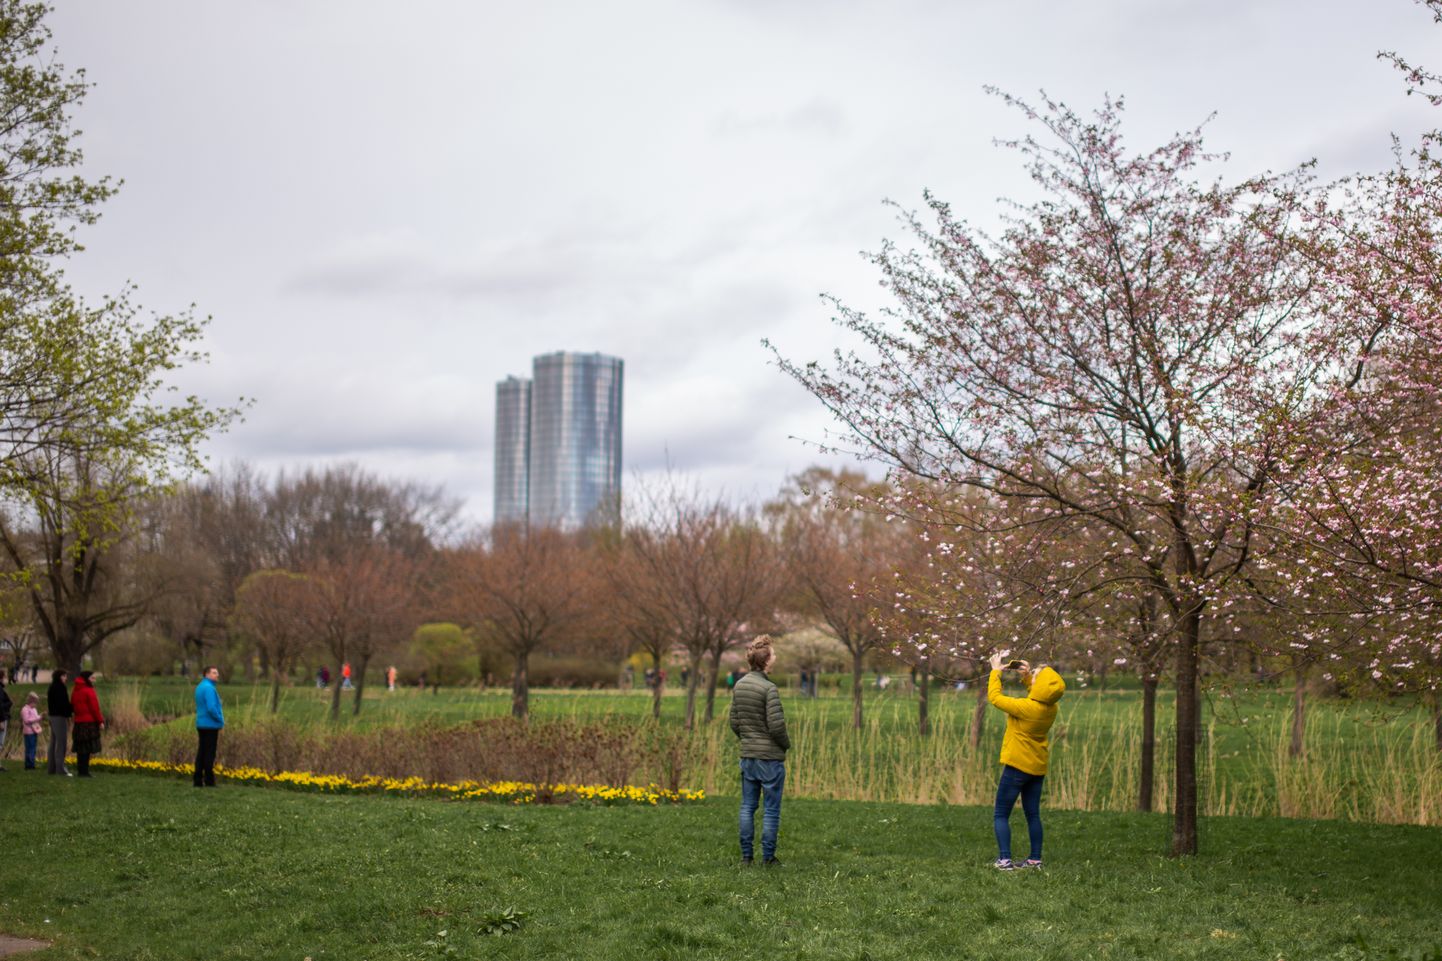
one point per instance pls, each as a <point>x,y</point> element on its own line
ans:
<point>1024,753</point>
<point>88,721</point>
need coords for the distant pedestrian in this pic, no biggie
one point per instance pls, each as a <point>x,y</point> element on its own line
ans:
<point>1024,753</point>
<point>391,678</point>
<point>5,708</point>
<point>88,721</point>
<point>57,704</point>
<point>209,719</point>
<point>345,675</point>
<point>758,720</point>
<point>30,724</point>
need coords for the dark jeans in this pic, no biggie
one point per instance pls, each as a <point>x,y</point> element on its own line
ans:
<point>205,757</point>
<point>1016,783</point>
<point>30,741</point>
<point>761,780</point>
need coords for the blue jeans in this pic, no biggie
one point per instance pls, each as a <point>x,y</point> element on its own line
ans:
<point>761,780</point>
<point>1016,783</point>
<point>30,741</point>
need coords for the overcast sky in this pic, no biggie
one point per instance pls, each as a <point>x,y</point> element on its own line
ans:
<point>386,208</point>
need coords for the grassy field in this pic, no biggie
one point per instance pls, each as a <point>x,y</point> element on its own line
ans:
<point>1365,760</point>
<point>132,867</point>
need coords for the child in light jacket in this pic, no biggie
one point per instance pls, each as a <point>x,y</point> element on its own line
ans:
<point>30,727</point>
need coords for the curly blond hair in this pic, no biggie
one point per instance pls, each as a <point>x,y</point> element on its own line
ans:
<point>758,652</point>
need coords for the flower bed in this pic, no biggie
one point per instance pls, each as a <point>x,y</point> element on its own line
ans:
<point>514,792</point>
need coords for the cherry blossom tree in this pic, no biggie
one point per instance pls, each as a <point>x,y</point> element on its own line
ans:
<point>1117,356</point>
<point>271,611</point>
<point>641,608</point>
<point>836,543</point>
<point>1358,525</point>
<point>714,571</point>
<point>528,588</point>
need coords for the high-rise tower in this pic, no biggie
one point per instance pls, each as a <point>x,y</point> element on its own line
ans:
<point>572,456</point>
<point>513,444</point>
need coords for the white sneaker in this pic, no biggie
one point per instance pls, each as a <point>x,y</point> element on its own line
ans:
<point>1003,864</point>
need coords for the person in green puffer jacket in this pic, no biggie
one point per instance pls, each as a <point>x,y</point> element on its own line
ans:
<point>760,723</point>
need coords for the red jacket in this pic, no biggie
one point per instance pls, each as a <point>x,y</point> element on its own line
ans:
<point>86,704</point>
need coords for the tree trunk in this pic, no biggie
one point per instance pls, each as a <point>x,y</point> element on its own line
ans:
<point>1149,740</point>
<point>274,691</point>
<point>856,690</point>
<point>359,677</point>
<point>1299,705</point>
<point>978,714</point>
<point>1437,718</point>
<point>1102,676</point>
<point>923,698</point>
<point>1184,819</point>
<point>711,684</point>
<point>693,672</point>
<point>521,687</point>
<point>68,650</point>
<point>656,688</point>
<point>335,695</point>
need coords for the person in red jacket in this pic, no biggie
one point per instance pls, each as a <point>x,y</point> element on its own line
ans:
<point>88,721</point>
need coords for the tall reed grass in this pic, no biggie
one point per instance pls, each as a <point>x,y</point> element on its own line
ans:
<point>121,706</point>
<point>1360,763</point>
<point>1393,776</point>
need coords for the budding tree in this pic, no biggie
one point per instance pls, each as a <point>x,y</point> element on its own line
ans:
<point>1116,357</point>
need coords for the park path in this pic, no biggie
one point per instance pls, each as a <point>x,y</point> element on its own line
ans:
<point>10,946</point>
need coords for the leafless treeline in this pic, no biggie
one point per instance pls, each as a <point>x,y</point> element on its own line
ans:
<point>336,566</point>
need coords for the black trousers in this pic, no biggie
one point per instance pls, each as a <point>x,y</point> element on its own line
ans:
<point>205,758</point>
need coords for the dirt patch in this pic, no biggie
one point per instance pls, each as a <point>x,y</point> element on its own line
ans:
<point>11,945</point>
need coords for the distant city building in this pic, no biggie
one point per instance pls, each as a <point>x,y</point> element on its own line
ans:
<point>513,445</point>
<point>558,441</point>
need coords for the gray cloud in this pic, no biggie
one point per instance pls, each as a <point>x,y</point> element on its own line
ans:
<point>668,183</point>
<point>819,115</point>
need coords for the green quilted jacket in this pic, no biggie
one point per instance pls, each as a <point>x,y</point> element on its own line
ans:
<point>757,718</point>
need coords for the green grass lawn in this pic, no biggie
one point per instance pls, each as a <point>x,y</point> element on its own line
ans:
<point>132,867</point>
<point>1246,729</point>
<point>1366,759</point>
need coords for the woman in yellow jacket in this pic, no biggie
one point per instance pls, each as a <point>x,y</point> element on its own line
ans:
<point>1024,753</point>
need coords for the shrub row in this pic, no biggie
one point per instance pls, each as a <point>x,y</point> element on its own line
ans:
<point>485,751</point>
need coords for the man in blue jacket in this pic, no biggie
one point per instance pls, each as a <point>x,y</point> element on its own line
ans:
<point>209,719</point>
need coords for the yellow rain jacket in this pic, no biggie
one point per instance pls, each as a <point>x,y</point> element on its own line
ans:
<point>1028,719</point>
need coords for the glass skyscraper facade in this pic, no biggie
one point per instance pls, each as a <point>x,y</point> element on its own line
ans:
<point>513,445</point>
<point>572,416</point>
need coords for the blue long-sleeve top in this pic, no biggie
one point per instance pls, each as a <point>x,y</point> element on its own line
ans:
<point>208,714</point>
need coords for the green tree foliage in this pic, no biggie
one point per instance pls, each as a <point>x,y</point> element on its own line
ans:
<point>445,652</point>
<point>88,424</point>
<point>72,375</point>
